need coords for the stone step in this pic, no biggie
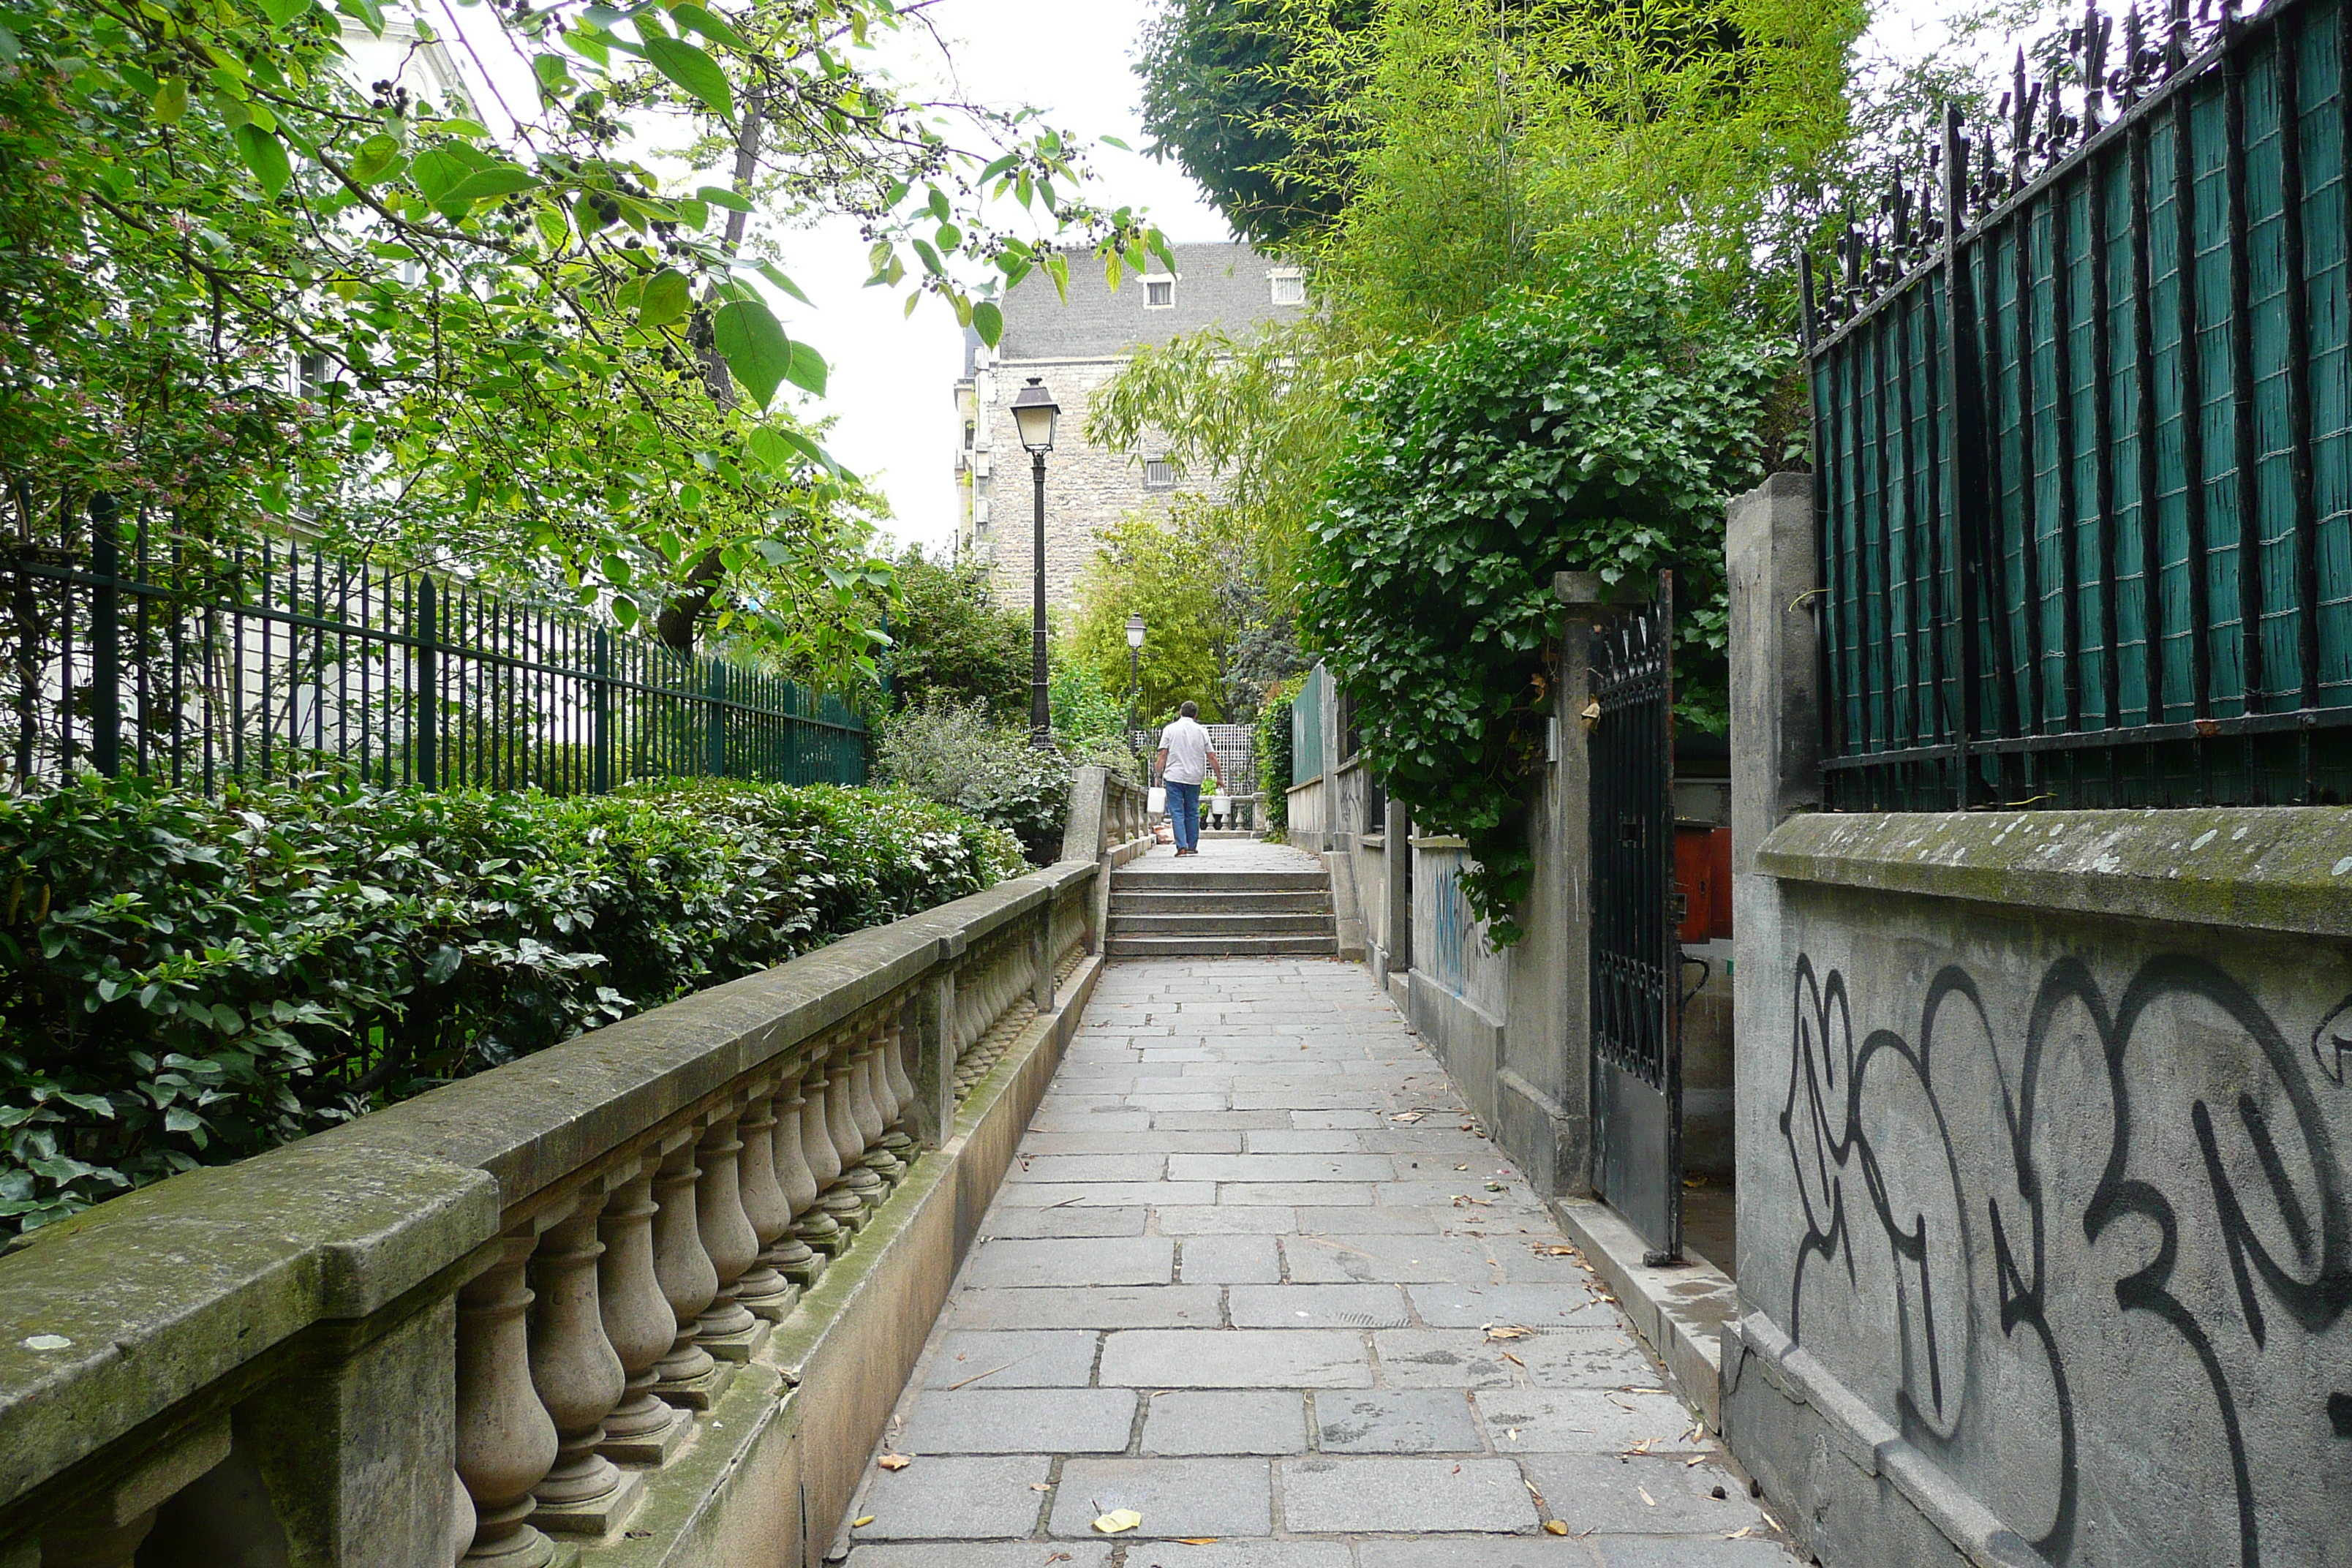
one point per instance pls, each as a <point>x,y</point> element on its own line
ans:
<point>1186,900</point>
<point>1300,945</point>
<point>1198,878</point>
<point>1235,922</point>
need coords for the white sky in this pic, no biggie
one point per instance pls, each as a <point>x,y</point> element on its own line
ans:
<point>891,390</point>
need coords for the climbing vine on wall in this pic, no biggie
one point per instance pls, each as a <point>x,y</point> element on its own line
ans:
<point>1598,426</point>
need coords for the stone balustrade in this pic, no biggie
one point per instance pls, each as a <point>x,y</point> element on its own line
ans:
<point>491,1325</point>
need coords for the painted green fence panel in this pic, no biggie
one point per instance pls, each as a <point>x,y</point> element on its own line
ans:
<point>2084,433</point>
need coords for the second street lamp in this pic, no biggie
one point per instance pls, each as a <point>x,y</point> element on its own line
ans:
<point>1134,674</point>
<point>1033,416</point>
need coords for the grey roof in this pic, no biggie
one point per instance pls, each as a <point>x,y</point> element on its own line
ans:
<point>1223,285</point>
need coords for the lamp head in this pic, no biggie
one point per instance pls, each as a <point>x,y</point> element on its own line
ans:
<point>1134,631</point>
<point>1034,414</point>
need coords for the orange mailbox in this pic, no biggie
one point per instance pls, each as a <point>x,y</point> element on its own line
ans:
<point>1703,874</point>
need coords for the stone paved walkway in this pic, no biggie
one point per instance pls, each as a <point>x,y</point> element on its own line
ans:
<point>1255,1278</point>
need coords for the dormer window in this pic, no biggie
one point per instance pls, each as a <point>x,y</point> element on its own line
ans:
<point>1289,286</point>
<point>1158,293</point>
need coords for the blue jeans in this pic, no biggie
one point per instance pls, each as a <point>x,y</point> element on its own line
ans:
<point>1184,814</point>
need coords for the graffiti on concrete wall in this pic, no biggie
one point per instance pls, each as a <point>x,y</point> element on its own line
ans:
<point>2091,1252</point>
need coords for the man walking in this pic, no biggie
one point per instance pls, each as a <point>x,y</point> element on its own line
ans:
<point>1184,759</point>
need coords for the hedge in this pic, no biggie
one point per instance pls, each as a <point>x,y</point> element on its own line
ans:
<point>186,981</point>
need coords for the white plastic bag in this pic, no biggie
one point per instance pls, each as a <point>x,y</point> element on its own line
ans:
<point>1157,804</point>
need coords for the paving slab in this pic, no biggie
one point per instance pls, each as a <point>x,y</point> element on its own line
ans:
<point>1175,1497</point>
<point>1095,1260</point>
<point>977,1554</point>
<point>1317,1307</point>
<point>1617,1494</point>
<point>1231,1260</point>
<point>1235,1281</point>
<point>1399,1421</point>
<point>1074,1219</point>
<point>1551,1358</point>
<point>1024,1357</point>
<point>1478,1551</point>
<point>1473,1306</point>
<point>1244,1554</point>
<point>1236,1358</point>
<point>1583,1421</point>
<point>1420,1495</point>
<point>1136,1306</point>
<point>1182,1421</point>
<point>1020,1421</point>
<point>1240,1219</point>
<point>955,1500</point>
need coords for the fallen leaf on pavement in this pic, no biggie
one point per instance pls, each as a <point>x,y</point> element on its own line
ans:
<point>1744,1529</point>
<point>1642,1446</point>
<point>1461,1167</point>
<point>1202,1539</point>
<point>1512,1359</point>
<point>1695,1459</point>
<point>1553,1249</point>
<point>1116,1519</point>
<point>1554,1527</point>
<point>1646,1497</point>
<point>1041,1486</point>
<point>1506,1331</point>
<point>861,1523</point>
<point>894,1461</point>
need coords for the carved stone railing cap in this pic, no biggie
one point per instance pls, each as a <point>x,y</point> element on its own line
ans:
<point>535,1122</point>
<point>166,1290</point>
<point>2284,868</point>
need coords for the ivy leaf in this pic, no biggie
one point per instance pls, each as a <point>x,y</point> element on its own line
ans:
<point>694,71</point>
<point>752,342</point>
<point>266,156</point>
<point>666,294</point>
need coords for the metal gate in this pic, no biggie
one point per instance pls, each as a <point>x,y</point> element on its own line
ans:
<point>1636,1012</point>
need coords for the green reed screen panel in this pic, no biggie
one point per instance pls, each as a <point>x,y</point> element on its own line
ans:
<point>2084,438</point>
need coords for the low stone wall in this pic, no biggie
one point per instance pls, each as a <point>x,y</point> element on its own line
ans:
<point>2045,1231</point>
<point>644,1297</point>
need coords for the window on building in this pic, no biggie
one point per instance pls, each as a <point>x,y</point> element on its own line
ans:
<point>1289,287</point>
<point>970,431</point>
<point>1158,474</point>
<point>1158,293</point>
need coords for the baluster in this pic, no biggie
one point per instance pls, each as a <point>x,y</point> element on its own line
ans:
<point>899,1139</point>
<point>579,1375</point>
<point>841,1122</point>
<point>797,1129</point>
<point>763,1290</point>
<point>726,1328</point>
<point>689,1280</point>
<point>865,1106</point>
<point>645,1430</point>
<point>506,1443</point>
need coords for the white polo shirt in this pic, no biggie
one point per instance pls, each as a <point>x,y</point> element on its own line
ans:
<point>1187,745</point>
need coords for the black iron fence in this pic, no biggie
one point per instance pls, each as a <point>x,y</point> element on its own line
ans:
<point>2084,425</point>
<point>134,651</point>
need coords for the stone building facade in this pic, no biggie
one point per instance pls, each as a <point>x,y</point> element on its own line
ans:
<point>1075,347</point>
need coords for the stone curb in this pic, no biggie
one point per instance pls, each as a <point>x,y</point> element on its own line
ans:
<point>1679,1310</point>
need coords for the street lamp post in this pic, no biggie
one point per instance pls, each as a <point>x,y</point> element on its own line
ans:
<point>1034,414</point>
<point>1134,673</point>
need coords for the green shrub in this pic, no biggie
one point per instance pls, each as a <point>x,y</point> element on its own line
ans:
<point>188,980</point>
<point>1274,752</point>
<point>953,753</point>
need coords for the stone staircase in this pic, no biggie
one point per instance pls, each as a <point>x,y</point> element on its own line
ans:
<point>1213,906</point>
